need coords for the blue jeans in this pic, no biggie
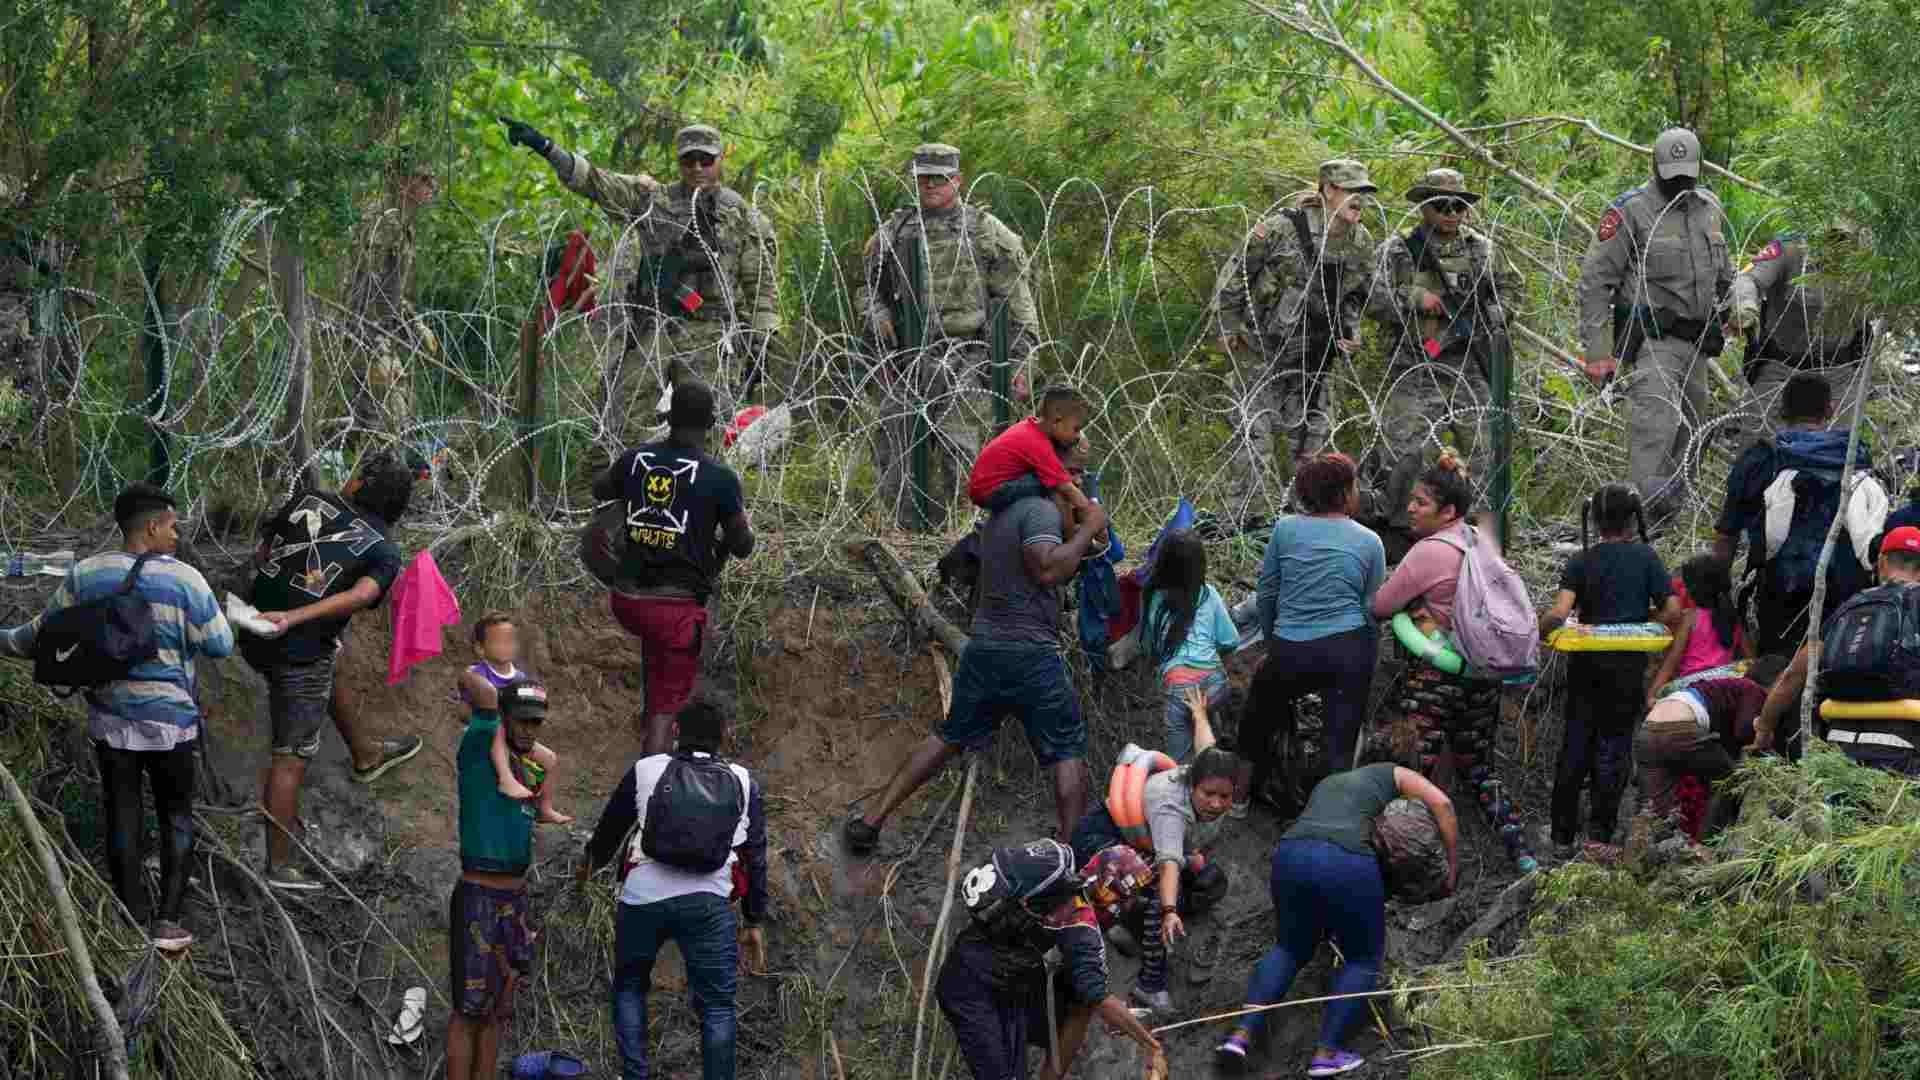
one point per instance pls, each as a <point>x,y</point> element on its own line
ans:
<point>702,924</point>
<point>1322,886</point>
<point>1179,718</point>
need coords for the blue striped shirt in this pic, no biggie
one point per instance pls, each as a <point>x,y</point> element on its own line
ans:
<point>154,709</point>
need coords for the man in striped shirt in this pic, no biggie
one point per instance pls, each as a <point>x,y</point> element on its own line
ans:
<point>147,722</point>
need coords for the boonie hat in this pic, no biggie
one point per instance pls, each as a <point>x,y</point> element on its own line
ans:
<point>1442,184</point>
<point>697,137</point>
<point>1676,153</point>
<point>935,159</point>
<point>1348,174</point>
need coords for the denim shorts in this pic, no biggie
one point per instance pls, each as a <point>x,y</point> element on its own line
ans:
<point>299,698</point>
<point>996,679</point>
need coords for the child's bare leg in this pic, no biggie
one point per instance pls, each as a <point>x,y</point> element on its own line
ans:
<point>549,763</point>
<point>503,767</point>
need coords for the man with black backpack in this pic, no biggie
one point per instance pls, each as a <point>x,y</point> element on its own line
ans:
<point>1866,655</point>
<point>998,987</point>
<point>126,626</point>
<point>693,815</point>
<point>1782,496</point>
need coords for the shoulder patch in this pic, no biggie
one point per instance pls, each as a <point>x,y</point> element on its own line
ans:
<point>1610,223</point>
<point>1769,253</point>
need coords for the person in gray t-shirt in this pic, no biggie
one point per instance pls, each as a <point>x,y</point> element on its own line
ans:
<point>1012,665</point>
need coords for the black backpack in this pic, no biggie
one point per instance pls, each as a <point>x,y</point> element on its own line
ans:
<point>1871,649</point>
<point>1000,895</point>
<point>96,642</point>
<point>693,813</point>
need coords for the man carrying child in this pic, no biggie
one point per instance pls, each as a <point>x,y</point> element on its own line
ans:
<point>489,935</point>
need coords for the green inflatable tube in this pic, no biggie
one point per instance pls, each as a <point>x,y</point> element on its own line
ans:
<point>1430,649</point>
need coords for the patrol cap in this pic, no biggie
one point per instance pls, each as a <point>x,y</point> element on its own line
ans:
<point>697,138</point>
<point>935,159</point>
<point>1676,153</point>
<point>524,701</point>
<point>1348,174</point>
<point>1442,184</point>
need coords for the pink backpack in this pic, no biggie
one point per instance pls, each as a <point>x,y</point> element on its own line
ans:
<point>1494,627</point>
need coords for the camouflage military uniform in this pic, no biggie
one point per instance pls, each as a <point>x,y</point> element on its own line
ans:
<point>380,396</point>
<point>1795,324</point>
<point>1289,307</point>
<point>975,264</point>
<point>21,350</point>
<point>715,321</point>
<point>1665,265</point>
<point>1438,370</point>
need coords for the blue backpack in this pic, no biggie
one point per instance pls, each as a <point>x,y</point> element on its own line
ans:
<point>1800,505</point>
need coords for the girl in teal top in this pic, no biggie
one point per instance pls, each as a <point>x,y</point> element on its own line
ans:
<point>1186,627</point>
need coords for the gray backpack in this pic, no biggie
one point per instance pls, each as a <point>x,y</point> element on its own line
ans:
<point>1493,621</point>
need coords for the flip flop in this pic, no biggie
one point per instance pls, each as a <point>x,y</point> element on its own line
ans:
<point>413,1008</point>
<point>541,1064</point>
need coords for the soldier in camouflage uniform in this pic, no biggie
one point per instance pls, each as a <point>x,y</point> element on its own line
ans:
<point>704,296</point>
<point>975,265</point>
<point>20,367</point>
<point>1446,293</point>
<point>1798,319</point>
<point>380,397</point>
<point>1651,291</point>
<point>1286,305</point>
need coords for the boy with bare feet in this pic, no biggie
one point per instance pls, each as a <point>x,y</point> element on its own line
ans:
<point>497,642</point>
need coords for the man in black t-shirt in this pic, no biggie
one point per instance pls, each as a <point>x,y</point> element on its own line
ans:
<point>322,558</point>
<point>684,516</point>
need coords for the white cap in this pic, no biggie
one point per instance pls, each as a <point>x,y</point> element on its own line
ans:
<point>1676,153</point>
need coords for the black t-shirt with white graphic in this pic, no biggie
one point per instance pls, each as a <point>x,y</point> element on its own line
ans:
<point>676,497</point>
<point>317,546</point>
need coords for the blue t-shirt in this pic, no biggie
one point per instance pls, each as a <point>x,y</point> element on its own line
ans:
<point>1212,632</point>
<point>1318,577</point>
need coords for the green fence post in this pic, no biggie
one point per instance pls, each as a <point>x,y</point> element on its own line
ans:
<point>1502,430</point>
<point>914,331</point>
<point>998,346</point>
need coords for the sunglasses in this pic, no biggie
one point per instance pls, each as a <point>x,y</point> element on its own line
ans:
<point>931,180</point>
<point>1451,206</point>
<point>697,157</point>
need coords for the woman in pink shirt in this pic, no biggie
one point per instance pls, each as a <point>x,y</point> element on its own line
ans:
<point>1423,584</point>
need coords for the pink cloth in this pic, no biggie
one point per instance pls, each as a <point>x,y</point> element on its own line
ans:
<point>1704,647</point>
<point>1429,573</point>
<point>423,606</point>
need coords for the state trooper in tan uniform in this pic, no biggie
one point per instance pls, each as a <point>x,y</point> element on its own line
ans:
<point>1651,291</point>
<point>704,296</point>
<point>975,266</point>
<point>1446,294</point>
<point>1285,306</point>
<point>1798,317</point>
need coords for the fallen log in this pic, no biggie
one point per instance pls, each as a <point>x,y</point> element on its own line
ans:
<point>906,593</point>
<point>1516,900</point>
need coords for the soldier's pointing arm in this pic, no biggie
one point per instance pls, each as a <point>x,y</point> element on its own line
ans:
<point>629,193</point>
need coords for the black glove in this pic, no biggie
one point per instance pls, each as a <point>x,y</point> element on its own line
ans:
<point>519,134</point>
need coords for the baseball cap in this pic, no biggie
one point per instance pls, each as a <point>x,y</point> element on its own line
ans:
<point>524,701</point>
<point>1676,153</point>
<point>697,137</point>
<point>1348,174</point>
<point>1904,538</point>
<point>935,159</point>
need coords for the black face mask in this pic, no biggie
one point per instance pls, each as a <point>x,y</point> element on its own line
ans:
<point>1671,188</point>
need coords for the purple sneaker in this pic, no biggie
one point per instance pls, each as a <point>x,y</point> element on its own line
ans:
<point>1232,1051</point>
<point>1335,1063</point>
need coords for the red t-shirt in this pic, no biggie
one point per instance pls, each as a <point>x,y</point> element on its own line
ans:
<point>1023,448</point>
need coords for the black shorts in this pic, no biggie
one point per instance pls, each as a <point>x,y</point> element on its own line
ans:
<point>489,943</point>
<point>299,697</point>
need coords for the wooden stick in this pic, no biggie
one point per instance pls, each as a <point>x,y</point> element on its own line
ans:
<point>946,911</point>
<point>1250,1010</point>
<point>1816,606</point>
<point>113,1043</point>
<point>906,593</point>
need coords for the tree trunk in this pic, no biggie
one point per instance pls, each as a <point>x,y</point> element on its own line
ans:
<point>906,593</point>
<point>290,286</point>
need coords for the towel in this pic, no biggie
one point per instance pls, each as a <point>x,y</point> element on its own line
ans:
<point>423,605</point>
